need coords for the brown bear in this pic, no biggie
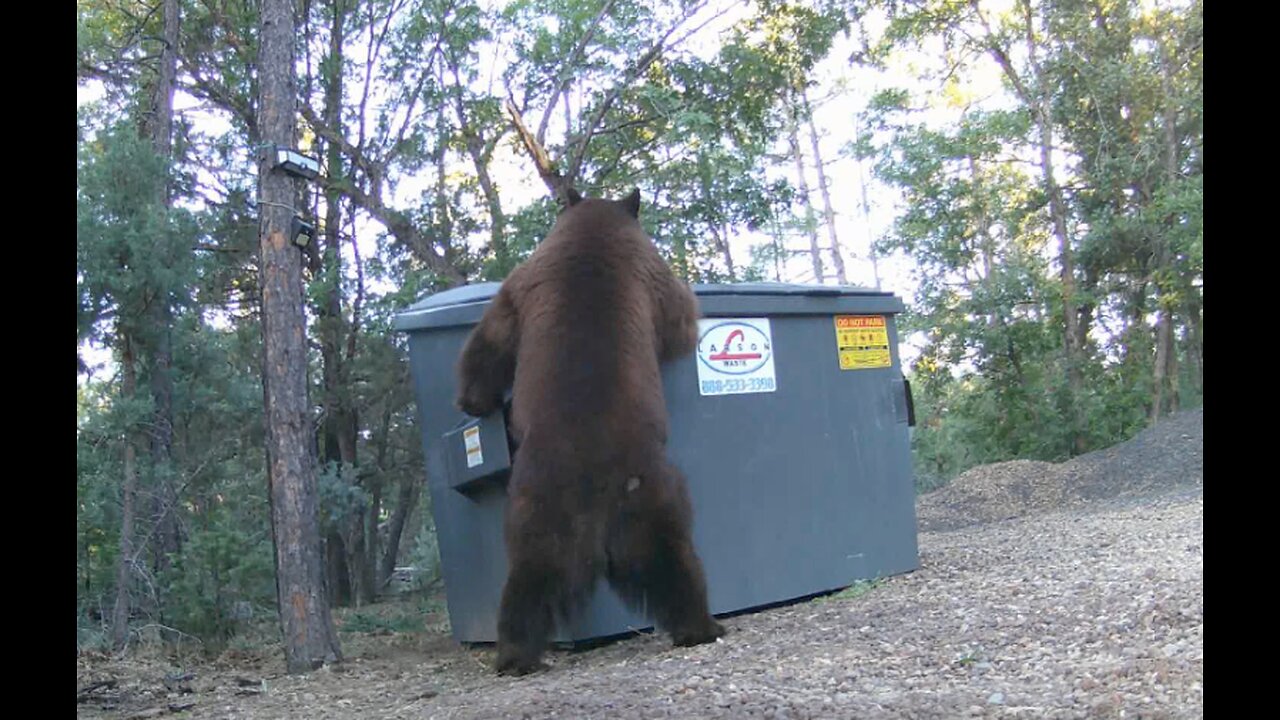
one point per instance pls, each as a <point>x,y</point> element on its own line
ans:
<point>578,331</point>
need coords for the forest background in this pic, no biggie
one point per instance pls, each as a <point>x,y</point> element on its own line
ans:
<point>1026,174</point>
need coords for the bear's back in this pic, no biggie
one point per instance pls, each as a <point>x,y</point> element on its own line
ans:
<point>587,362</point>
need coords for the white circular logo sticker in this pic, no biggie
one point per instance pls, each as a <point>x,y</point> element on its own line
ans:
<point>735,356</point>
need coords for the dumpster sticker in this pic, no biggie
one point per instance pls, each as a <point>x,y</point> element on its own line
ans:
<point>735,356</point>
<point>863,342</point>
<point>471,438</point>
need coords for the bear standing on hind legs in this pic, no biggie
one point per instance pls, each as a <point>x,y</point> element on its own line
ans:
<point>578,330</point>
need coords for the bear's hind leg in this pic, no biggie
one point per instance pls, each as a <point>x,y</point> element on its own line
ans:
<point>651,560</point>
<point>550,576</point>
<point>526,617</point>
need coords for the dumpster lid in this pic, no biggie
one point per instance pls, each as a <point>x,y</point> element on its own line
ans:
<point>779,288</point>
<point>436,309</point>
<point>480,292</point>
<point>462,295</point>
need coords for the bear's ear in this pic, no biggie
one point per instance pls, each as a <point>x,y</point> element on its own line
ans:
<point>632,203</point>
<point>573,195</point>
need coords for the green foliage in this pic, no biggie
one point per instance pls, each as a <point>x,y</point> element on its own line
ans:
<point>991,383</point>
<point>224,576</point>
<point>340,499</point>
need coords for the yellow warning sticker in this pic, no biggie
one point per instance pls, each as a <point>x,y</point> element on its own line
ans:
<point>863,342</point>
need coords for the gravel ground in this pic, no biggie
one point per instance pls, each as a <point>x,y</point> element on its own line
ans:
<point>1087,602</point>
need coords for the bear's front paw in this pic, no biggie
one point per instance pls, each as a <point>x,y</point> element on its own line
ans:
<point>477,404</point>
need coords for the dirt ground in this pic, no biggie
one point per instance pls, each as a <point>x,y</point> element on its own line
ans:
<point>1045,591</point>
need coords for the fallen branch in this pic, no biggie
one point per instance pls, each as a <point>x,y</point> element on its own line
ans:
<point>84,694</point>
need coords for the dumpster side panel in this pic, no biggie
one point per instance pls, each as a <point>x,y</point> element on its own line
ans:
<point>800,490</point>
<point>468,526</point>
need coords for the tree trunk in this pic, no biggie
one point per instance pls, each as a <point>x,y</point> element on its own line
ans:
<point>828,213</point>
<point>120,616</point>
<point>1134,347</point>
<point>164,512</point>
<point>1195,340</point>
<point>1164,398</point>
<point>480,153</point>
<point>373,579</point>
<point>810,224</point>
<point>309,637</point>
<point>722,236</point>
<point>362,589</point>
<point>719,233</point>
<point>340,427</point>
<point>408,495</point>
<point>1038,98</point>
<point>375,541</point>
<point>337,574</point>
<point>866,214</point>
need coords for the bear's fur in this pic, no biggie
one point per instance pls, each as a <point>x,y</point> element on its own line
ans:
<point>580,329</point>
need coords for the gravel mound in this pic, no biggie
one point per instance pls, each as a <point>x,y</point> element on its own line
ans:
<point>1167,456</point>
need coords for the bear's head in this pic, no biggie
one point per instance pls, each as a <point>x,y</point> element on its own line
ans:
<point>630,203</point>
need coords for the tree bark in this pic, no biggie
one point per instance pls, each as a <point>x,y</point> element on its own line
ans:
<point>793,136</point>
<point>407,497</point>
<point>480,153</point>
<point>1195,338</point>
<point>1164,398</point>
<point>1036,98</point>
<point>337,574</point>
<point>309,637</point>
<point>1066,254</point>
<point>828,213</point>
<point>866,214</point>
<point>344,559</point>
<point>373,578</point>
<point>719,233</point>
<point>160,128</point>
<point>722,236</point>
<point>120,615</point>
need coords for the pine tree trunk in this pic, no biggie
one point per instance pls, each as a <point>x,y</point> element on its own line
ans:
<point>362,589</point>
<point>120,615</point>
<point>828,213</point>
<point>339,428</point>
<point>337,574</point>
<point>309,637</point>
<point>164,512</point>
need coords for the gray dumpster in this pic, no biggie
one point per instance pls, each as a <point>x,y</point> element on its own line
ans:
<point>790,422</point>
